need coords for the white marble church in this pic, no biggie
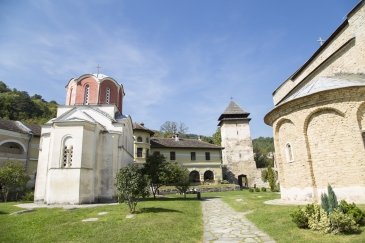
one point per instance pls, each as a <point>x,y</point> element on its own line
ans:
<point>83,148</point>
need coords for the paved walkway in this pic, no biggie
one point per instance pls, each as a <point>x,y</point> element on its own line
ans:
<point>223,224</point>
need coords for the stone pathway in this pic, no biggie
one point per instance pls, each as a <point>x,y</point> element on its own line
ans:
<point>223,224</point>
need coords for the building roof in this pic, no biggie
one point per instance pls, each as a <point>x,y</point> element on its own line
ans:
<point>141,127</point>
<point>233,112</point>
<point>17,126</point>
<point>344,24</point>
<point>181,143</point>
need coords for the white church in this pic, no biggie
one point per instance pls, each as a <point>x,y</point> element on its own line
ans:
<point>83,148</point>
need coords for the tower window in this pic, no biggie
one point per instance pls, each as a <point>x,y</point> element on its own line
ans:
<point>86,94</point>
<point>107,96</point>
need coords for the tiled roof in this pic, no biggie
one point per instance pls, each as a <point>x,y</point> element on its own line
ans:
<point>16,126</point>
<point>137,126</point>
<point>181,143</point>
<point>233,111</point>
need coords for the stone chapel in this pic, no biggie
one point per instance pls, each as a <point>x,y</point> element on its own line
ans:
<point>319,119</point>
<point>83,148</point>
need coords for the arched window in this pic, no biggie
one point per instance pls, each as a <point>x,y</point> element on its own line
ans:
<point>194,176</point>
<point>139,139</point>
<point>86,94</point>
<point>107,96</point>
<point>289,152</point>
<point>11,148</point>
<point>67,153</point>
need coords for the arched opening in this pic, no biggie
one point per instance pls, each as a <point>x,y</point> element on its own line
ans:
<point>11,148</point>
<point>242,180</point>
<point>194,176</point>
<point>67,152</point>
<point>86,94</point>
<point>208,175</point>
<point>139,139</point>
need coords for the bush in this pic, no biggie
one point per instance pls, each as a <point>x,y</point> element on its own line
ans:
<point>329,202</point>
<point>353,211</point>
<point>319,220</point>
<point>342,223</point>
<point>28,196</point>
<point>301,215</point>
<point>257,189</point>
<point>250,190</point>
<point>263,189</point>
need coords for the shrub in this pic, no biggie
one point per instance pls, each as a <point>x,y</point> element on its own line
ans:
<point>257,189</point>
<point>250,190</point>
<point>353,211</point>
<point>28,196</point>
<point>342,223</point>
<point>301,215</point>
<point>263,189</point>
<point>329,202</point>
<point>319,220</point>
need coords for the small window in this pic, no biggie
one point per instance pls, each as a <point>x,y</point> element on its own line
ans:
<point>207,155</point>
<point>107,96</point>
<point>67,153</point>
<point>139,152</point>
<point>139,139</point>
<point>289,152</point>
<point>87,94</point>
<point>172,156</point>
<point>193,155</point>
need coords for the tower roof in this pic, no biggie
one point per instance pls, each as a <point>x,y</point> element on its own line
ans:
<point>233,112</point>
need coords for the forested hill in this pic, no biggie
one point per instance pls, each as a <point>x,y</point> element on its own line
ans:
<point>19,106</point>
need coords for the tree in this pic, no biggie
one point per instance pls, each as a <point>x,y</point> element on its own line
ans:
<point>263,149</point>
<point>12,178</point>
<point>217,139</point>
<point>269,175</point>
<point>329,202</point>
<point>183,183</point>
<point>155,170</point>
<point>169,128</point>
<point>132,185</point>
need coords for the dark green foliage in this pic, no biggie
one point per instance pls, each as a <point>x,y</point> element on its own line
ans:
<point>217,138</point>
<point>263,189</point>
<point>257,189</point>
<point>251,190</point>
<point>263,148</point>
<point>13,178</point>
<point>342,223</point>
<point>351,209</point>
<point>28,196</point>
<point>271,178</point>
<point>329,202</point>
<point>18,105</point>
<point>132,185</point>
<point>301,215</point>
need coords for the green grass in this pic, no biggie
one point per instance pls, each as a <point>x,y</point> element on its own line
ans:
<point>276,221</point>
<point>160,220</point>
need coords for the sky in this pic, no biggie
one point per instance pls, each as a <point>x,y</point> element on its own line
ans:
<point>178,60</point>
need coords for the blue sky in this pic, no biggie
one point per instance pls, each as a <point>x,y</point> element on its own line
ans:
<point>178,60</point>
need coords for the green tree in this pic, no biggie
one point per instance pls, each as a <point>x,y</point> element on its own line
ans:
<point>329,202</point>
<point>269,175</point>
<point>132,186</point>
<point>156,170</point>
<point>217,138</point>
<point>13,178</point>
<point>178,176</point>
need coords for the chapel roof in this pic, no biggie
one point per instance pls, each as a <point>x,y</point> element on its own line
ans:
<point>17,126</point>
<point>181,143</point>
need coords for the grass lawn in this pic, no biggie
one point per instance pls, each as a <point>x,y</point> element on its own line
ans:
<point>160,220</point>
<point>275,220</point>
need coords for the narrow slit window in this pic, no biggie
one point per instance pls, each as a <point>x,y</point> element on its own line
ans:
<point>107,96</point>
<point>289,152</point>
<point>87,94</point>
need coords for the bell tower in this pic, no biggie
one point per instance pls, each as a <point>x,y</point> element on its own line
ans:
<point>237,155</point>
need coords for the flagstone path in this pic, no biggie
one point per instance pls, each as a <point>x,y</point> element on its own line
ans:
<point>223,224</point>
